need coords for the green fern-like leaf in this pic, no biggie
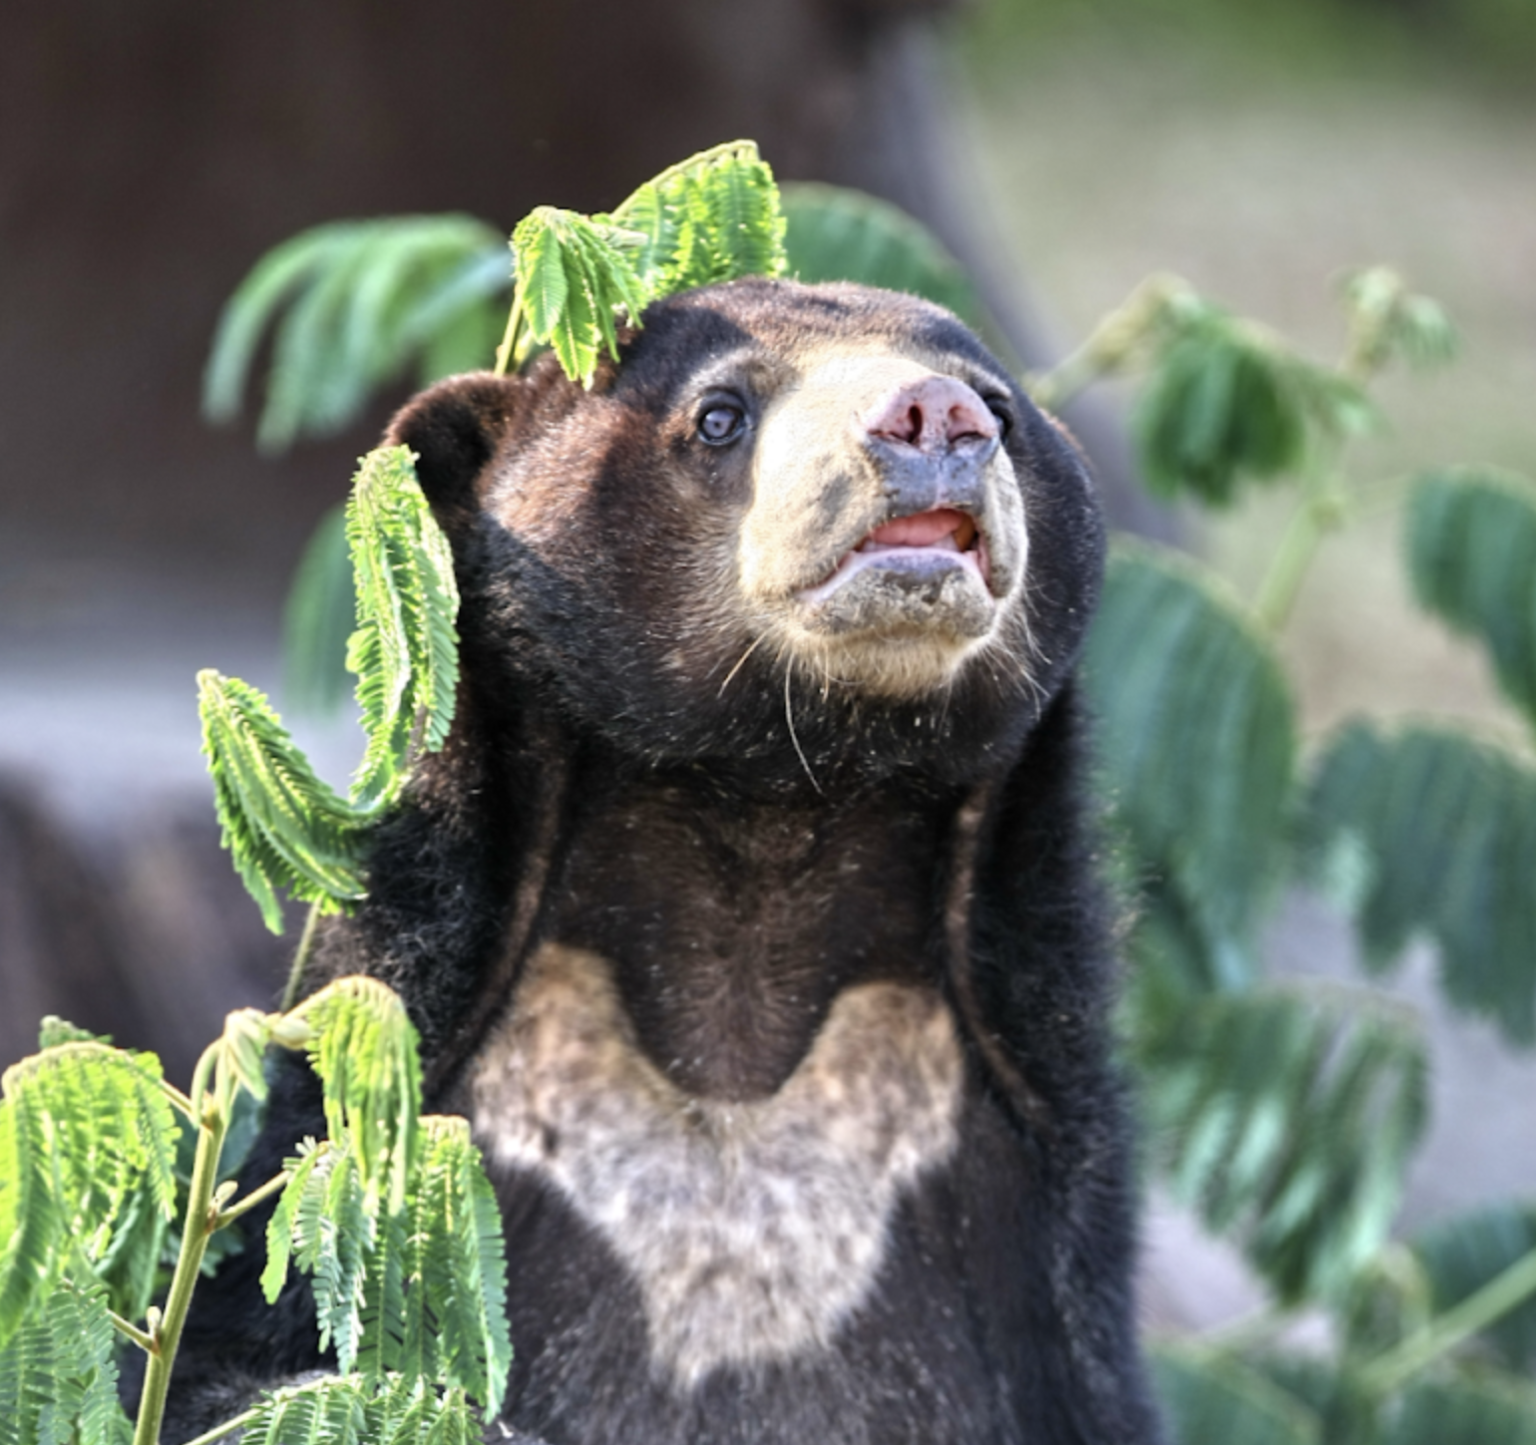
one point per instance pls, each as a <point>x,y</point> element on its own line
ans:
<point>573,273</point>
<point>1197,739</point>
<point>1446,827</point>
<point>712,217</point>
<point>284,828</point>
<point>405,649</point>
<point>364,1049</point>
<point>1471,546</point>
<point>58,1373</point>
<point>351,302</point>
<point>86,1130</point>
<point>349,1410</point>
<point>462,1271</point>
<point>1287,1120</point>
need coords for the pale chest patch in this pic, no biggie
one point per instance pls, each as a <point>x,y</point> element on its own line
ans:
<point>753,1230</point>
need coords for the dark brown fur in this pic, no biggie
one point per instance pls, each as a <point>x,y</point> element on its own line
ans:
<point>738,830</point>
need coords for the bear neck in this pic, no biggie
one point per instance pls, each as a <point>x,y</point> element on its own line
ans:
<point>732,923</point>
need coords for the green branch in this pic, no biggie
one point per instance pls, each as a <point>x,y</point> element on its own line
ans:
<point>1504,1292</point>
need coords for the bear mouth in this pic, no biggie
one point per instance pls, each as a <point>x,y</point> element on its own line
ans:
<point>922,544</point>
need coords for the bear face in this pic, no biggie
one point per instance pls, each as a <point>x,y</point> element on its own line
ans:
<point>811,527</point>
<point>749,913</point>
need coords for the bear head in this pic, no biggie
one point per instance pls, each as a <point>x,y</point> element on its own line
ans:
<point>805,531</point>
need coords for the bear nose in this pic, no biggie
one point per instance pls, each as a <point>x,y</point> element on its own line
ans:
<point>933,414</point>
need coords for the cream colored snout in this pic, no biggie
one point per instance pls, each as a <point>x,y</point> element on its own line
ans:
<point>886,532</point>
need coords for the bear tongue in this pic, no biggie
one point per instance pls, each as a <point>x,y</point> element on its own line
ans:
<point>923,530</point>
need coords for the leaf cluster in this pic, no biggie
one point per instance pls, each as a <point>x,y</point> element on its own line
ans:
<point>286,828</point>
<point>353,303</point>
<point>713,217</point>
<point>391,1216</point>
<point>1287,1116</point>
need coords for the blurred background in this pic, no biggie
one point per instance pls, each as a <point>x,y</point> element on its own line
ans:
<point>1063,149</point>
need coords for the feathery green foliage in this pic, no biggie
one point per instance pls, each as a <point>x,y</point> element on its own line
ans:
<point>88,1143</point>
<point>346,1410</point>
<point>1287,1120</point>
<point>86,1135</point>
<point>1472,558</point>
<point>1197,736</point>
<point>362,299</point>
<point>58,1374</point>
<point>405,650</point>
<point>1459,1256</point>
<point>1447,830</point>
<point>318,620</point>
<point>364,1049</point>
<point>285,828</point>
<point>711,218</point>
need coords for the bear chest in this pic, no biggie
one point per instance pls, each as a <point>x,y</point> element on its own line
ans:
<point>751,1229</point>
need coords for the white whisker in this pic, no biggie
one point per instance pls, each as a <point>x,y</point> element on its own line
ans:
<point>789,717</point>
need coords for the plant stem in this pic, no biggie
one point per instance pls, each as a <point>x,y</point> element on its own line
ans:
<point>227,1428</point>
<point>1321,510</point>
<point>251,1200</point>
<point>300,958</point>
<point>509,339</point>
<point>198,1225</point>
<point>145,1342</point>
<point>1503,1293</point>
<point>1109,346</point>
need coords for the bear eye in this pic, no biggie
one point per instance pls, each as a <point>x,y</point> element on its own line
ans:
<point>722,422</point>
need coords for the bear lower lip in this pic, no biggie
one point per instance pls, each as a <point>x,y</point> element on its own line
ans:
<point>915,561</point>
<point>924,542</point>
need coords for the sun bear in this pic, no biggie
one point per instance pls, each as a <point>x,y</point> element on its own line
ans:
<point>750,913</point>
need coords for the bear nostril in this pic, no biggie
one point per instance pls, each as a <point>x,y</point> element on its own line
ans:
<point>932,414</point>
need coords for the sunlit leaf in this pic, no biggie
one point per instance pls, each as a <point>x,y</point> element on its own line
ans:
<point>284,827</point>
<point>405,649</point>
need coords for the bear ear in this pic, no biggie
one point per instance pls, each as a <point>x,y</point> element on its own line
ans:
<point>455,428</point>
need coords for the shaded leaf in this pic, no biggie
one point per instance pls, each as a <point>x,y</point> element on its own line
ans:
<point>836,234</point>
<point>1466,1411</point>
<point>1227,402</point>
<point>351,303</point>
<point>318,619</point>
<point>1214,1397</point>
<point>1471,542</point>
<point>1460,1256</point>
<point>1287,1120</point>
<point>1447,826</point>
<point>1196,736</point>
